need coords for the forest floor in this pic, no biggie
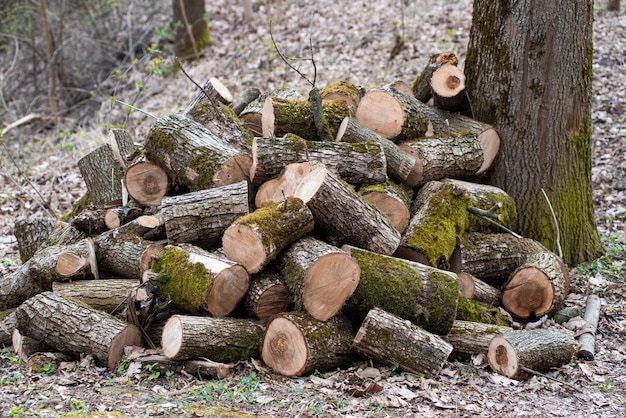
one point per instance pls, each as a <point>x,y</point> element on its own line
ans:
<point>352,41</point>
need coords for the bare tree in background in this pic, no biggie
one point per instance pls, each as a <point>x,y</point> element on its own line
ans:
<point>192,30</point>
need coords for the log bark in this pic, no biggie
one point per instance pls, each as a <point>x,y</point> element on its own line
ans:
<point>197,280</point>
<point>475,311</point>
<point>512,353</point>
<point>256,239</point>
<point>389,339</point>
<point>420,86</point>
<point>354,163</point>
<point>221,340</point>
<point>103,176</point>
<point>105,295</point>
<point>146,183</point>
<point>319,276</point>
<point>193,156</point>
<point>267,296</point>
<point>391,199</point>
<point>587,340</point>
<point>25,346</point>
<point>341,215</point>
<point>7,324</point>
<point>392,114</point>
<point>421,294</point>
<point>248,96</point>
<point>473,288</point>
<point>116,217</point>
<point>122,145</point>
<point>90,221</point>
<point>448,88</point>
<point>253,113</point>
<point>31,233</point>
<point>296,344</point>
<point>401,166</point>
<point>76,329</point>
<point>344,91</point>
<point>472,338</point>
<point>538,287</point>
<point>278,189</point>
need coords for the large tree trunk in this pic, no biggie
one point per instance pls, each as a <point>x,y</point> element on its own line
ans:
<point>189,19</point>
<point>529,74</point>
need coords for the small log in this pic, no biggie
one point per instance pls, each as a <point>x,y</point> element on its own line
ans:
<point>421,294</point>
<point>105,295</point>
<point>76,329</point>
<point>256,239</point>
<point>448,88</point>
<point>90,221</point>
<point>116,217</point>
<point>343,217</point>
<point>267,296</point>
<point>65,235</point>
<point>146,183</point>
<point>355,163</point>
<point>31,233</point>
<point>473,338</point>
<point>473,288</point>
<point>296,344</point>
<point>391,340</point>
<point>345,91</point>
<point>248,96</point>
<point>392,114</point>
<point>391,199</point>
<point>122,145</point>
<point>205,368</point>
<point>319,276</point>
<point>420,86</point>
<point>221,340</point>
<point>78,262</point>
<point>538,287</point>
<point>103,176</point>
<point>252,114</point>
<point>587,340</point>
<point>193,156</point>
<point>276,190</point>
<point>196,280</point>
<point>475,311</point>
<point>401,166</point>
<point>514,353</point>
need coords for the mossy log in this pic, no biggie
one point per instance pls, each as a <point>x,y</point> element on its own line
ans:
<point>444,156</point>
<point>146,182</point>
<point>421,84</point>
<point>345,91</point>
<point>31,233</point>
<point>514,353</point>
<point>342,216</point>
<point>472,338</point>
<point>256,239</point>
<point>493,257</point>
<point>196,280</point>
<point>76,329</point>
<point>218,339</point>
<point>391,199</point>
<point>538,287</point>
<point>252,114</point>
<point>355,163</point>
<point>475,311</point>
<point>424,295</point>
<point>283,116</point>
<point>105,295</point>
<point>447,85</point>
<point>283,186</point>
<point>473,288</point>
<point>193,156</point>
<point>401,166</point>
<point>296,344</point>
<point>587,339</point>
<point>267,296</point>
<point>319,276</point>
<point>391,340</point>
<point>438,220</point>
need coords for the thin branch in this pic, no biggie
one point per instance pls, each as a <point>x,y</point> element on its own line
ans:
<point>282,57</point>
<point>556,224</point>
<point>479,213</point>
<point>311,47</point>
<point>206,94</point>
<point>536,373</point>
<point>136,108</point>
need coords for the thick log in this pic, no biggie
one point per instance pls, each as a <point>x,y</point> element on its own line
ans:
<point>514,353</point>
<point>248,96</point>
<point>439,218</point>
<point>7,324</point>
<point>78,262</point>
<point>122,145</point>
<point>401,166</point>
<point>587,339</point>
<point>355,163</point>
<point>251,115</point>
<point>25,346</point>
<point>196,280</point>
<point>391,340</point>
<point>475,311</point>
<point>256,239</point>
<point>105,295</point>
<point>276,190</point>
<point>392,114</point>
<point>296,344</point>
<point>421,294</point>
<point>31,233</point>
<point>391,199</point>
<point>146,183</point>
<point>218,339</point>
<point>473,288</point>
<point>320,276</point>
<point>538,287</point>
<point>103,176</point>
<point>420,86</point>
<point>267,296</point>
<point>343,217</point>
<point>473,338</point>
<point>193,156</point>
<point>76,329</point>
<point>447,84</point>
<point>345,91</point>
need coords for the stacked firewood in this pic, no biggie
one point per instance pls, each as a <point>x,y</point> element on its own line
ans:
<point>305,232</point>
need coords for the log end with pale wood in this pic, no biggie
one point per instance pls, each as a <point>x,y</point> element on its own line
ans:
<point>146,183</point>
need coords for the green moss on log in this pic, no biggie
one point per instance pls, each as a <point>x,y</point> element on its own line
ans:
<point>471,310</point>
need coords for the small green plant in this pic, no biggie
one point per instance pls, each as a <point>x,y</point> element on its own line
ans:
<point>123,366</point>
<point>48,369</point>
<point>154,374</point>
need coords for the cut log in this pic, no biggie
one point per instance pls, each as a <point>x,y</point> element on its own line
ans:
<point>421,294</point>
<point>473,288</point>
<point>439,218</point>
<point>475,311</point>
<point>146,183</point>
<point>25,346</point>
<point>267,295</point>
<point>122,145</point>
<point>319,276</point>
<point>538,287</point>
<point>76,329</point>
<point>193,156</point>
<point>345,91</point>
<point>391,199</point>
<point>105,295</point>
<point>248,96</point>
<point>252,114</point>
<point>392,114</point>
<point>197,280</point>
<point>343,217</point>
<point>116,217</point>
<point>7,324</point>
<point>401,166</point>
<point>256,239</point>
<point>276,190</point>
<point>77,264</point>
<point>514,353</point>
<point>473,338</point>
<point>90,221</point>
<point>103,176</point>
<point>391,340</point>
<point>31,233</point>
<point>355,163</point>
<point>448,88</point>
<point>587,339</point>
<point>420,86</point>
<point>217,339</point>
<point>296,344</point>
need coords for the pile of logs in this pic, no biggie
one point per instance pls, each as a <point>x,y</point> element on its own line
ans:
<point>302,231</point>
